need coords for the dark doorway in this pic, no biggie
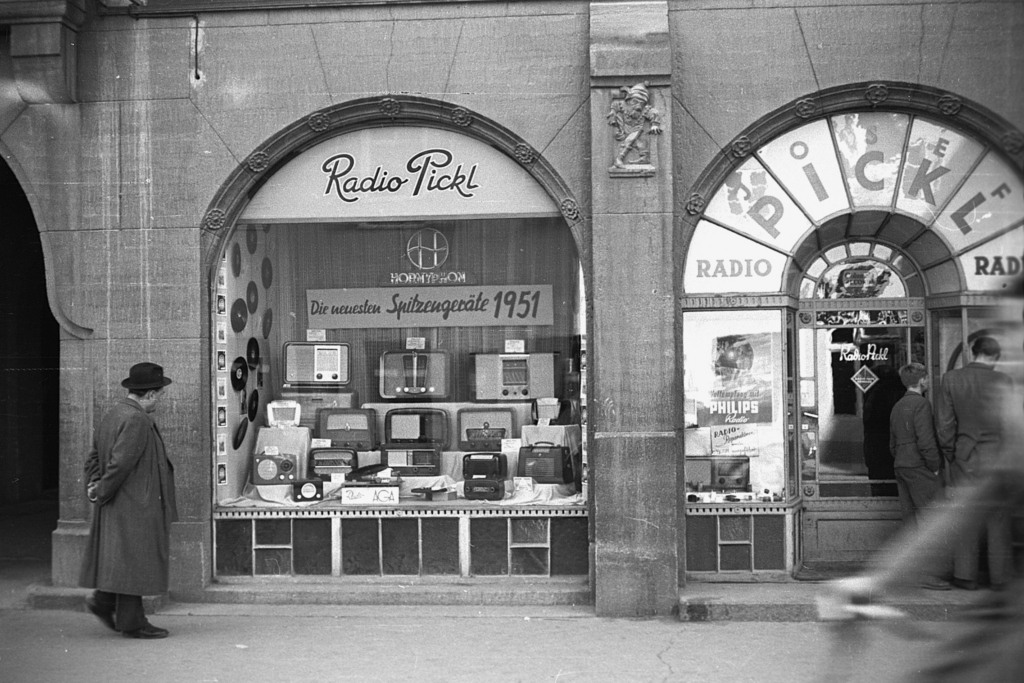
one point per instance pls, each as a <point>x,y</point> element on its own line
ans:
<point>29,355</point>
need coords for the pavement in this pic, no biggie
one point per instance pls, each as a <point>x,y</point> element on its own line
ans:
<point>763,632</point>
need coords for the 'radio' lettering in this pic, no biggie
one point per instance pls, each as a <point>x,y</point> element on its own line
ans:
<point>734,268</point>
<point>983,265</point>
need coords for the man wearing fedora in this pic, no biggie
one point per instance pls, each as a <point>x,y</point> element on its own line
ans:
<point>130,481</point>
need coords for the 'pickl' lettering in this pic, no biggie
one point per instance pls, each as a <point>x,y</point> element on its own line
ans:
<point>428,161</point>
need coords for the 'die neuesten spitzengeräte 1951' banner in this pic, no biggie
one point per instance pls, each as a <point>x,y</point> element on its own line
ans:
<point>381,307</point>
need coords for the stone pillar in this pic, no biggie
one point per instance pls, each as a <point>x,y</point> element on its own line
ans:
<point>634,457</point>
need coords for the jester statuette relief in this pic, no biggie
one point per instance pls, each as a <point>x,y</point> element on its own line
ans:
<point>634,121</point>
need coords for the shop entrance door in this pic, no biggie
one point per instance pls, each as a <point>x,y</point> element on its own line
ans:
<point>845,405</point>
<point>854,330</point>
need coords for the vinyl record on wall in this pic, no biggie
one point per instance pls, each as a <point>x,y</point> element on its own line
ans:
<point>236,259</point>
<point>252,239</point>
<point>252,353</point>
<point>243,427</point>
<point>254,404</point>
<point>243,403</point>
<point>252,296</point>
<point>267,271</point>
<point>239,374</point>
<point>239,315</point>
<point>268,322</point>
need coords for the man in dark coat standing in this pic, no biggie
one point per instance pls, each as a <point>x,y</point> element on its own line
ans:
<point>969,430</point>
<point>131,483</point>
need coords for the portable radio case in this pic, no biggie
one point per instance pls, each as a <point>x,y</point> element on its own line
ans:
<point>484,489</point>
<point>486,465</point>
<point>542,461</point>
<point>482,429</point>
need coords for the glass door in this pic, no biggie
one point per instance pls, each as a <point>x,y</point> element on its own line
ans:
<point>849,382</point>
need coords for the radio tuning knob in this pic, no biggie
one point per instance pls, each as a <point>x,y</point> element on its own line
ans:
<point>504,392</point>
<point>525,392</point>
<point>319,375</point>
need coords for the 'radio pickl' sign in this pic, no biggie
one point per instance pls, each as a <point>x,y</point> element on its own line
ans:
<point>398,173</point>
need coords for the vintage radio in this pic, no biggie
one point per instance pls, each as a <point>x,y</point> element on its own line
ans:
<point>416,425</point>
<point>484,489</point>
<point>484,465</point>
<point>284,414</point>
<point>306,491</point>
<point>482,429</point>
<point>546,463</point>
<point>314,399</point>
<point>730,474</point>
<point>327,461</point>
<point>514,376</point>
<point>414,374</point>
<point>274,468</point>
<point>294,440</point>
<point>412,460</point>
<point>316,363</point>
<point>348,427</point>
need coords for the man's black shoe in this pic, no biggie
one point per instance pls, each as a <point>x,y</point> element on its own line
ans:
<point>147,631</point>
<point>964,584</point>
<point>106,616</point>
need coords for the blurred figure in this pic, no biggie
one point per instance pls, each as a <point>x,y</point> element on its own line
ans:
<point>969,432</point>
<point>990,645</point>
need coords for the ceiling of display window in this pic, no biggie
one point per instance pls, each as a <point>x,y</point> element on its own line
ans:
<point>939,210</point>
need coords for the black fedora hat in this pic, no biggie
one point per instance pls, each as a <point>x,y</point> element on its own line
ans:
<point>145,376</point>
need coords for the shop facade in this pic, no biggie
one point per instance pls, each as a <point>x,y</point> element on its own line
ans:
<point>707,232</point>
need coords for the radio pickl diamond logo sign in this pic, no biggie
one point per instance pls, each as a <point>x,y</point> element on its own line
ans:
<point>864,378</point>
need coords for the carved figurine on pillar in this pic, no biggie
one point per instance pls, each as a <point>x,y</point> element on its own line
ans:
<point>634,119</point>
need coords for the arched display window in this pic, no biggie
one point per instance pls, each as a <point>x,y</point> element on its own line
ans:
<point>398,335</point>
<point>832,242</point>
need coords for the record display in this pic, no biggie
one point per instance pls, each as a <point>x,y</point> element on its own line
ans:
<point>252,296</point>
<point>239,315</point>
<point>252,353</point>
<point>267,272</point>
<point>239,374</point>
<point>240,431</point>
<point>254,405</point>
<point>236,259</point>
<point>268,322</point>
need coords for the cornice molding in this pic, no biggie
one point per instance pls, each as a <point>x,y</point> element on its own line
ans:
<point>68,12</point>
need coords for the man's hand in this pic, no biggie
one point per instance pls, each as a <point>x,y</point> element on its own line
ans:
<point>90,491</point>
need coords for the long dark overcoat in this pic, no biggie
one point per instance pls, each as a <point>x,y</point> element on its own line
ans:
<point>967,418</point>
<point>129,542</point>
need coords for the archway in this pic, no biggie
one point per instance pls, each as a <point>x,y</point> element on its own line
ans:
<point>30,347</point>
<point>857,186</point>
<point>405,269</point>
